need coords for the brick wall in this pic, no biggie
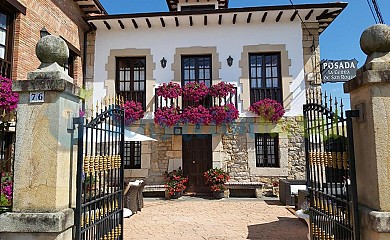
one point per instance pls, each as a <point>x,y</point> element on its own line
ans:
<point>61,18</point>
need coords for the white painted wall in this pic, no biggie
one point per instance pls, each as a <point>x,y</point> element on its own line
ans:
<point>228,38</point>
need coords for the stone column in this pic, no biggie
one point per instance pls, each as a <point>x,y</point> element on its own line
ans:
<point>44,170</point>
<point>370,94</point>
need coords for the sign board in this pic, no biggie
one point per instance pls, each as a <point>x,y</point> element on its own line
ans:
<point>37,97</point>
<point>338,70</point>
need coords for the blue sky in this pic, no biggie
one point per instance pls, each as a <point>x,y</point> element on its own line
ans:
<point>339,41</point>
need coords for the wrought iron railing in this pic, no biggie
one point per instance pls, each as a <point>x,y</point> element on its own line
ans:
<point>138,96</point>
<point>262,93</point>
<point>209,101</point>
<point>5,68</point>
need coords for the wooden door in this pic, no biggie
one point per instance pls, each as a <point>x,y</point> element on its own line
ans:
<point>197,158</point>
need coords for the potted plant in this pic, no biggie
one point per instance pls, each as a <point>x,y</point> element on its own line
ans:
<point>133,111</point>
<point>222,89</point>
<point>224,114</point>
<point>268,109</point>
<point>167,116</point>
<point>216,179</point>
<point>174,183</point>
<point>197,115</point>
<point>195,91</point>
<point>170,90</point>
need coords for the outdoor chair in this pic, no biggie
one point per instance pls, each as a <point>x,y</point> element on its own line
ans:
<point>288,190</point>
<point>130,196</point>
<point>140,197</point>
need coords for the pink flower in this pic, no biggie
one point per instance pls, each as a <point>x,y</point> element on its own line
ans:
<point>222,89</point>
<point>133,111</point>
<point>194,91</point>
<point>8,99</point>
<point>224,114</point>
<point>170,90</point>
<point>167,116</point>
<point>269,109</point>
<point>197,115</point>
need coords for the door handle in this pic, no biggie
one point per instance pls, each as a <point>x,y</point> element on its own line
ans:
<point>193,161</point>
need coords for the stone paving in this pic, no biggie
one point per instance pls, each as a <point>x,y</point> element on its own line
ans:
<point>193,218</point>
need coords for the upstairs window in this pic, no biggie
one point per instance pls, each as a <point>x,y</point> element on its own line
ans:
<point>267,150</point>
<point>3,35</point>
<point>6,29</point>
<point>132,156</point>
<point>131,79</point>
<point>197,8</point>
<point>265,77</point>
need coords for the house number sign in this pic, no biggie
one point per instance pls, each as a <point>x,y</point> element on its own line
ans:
<point>37,97</point>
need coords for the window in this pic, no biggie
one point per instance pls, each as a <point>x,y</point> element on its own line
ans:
<point>265,77</point>
<point>267,150</point>
<point>197,7</point>
<point>197,69</point>
<point>69,66</point>
<point>132,156</point>
<point>5,44</point>
<point>131,79</point>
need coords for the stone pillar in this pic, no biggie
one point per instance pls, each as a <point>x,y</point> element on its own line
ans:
<point>44,170</point>
<point>370,94</point>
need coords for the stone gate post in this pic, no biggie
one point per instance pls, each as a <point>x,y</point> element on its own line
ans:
<point>44,170</point>
<point>370,94</point>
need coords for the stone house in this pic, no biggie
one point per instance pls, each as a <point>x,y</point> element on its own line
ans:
<point>265,51</point>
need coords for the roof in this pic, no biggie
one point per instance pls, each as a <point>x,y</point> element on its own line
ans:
<point>91,7</point>
<point>324,14</point>
<point>172,4</point>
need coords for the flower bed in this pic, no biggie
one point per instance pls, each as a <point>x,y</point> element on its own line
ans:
<point>133,111</point>
<point>170,90</point>
<point>268,109</point>
<point>194,91</point>
<point>222,89</point>
<point>167,116</point>
<point>197,115</point>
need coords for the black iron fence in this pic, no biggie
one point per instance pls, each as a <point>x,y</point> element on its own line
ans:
<point>7,155</point>
<point>5,68</point>
<point>330,169</point>
<point>99,200</point>
<point>138,96</point>
<point>262,93</point>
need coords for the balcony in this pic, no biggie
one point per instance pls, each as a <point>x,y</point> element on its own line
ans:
<point>5,68</point>
<point>258,94</point>
<point>138,96</point>
<point>209,101</point>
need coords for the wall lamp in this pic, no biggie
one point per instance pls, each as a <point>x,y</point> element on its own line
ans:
<point>163,62</point>
<point>229,61</point>
<point>177,131</point>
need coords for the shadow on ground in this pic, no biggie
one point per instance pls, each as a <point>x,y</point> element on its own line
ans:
<point>284,228</point>
<point>273,202</point>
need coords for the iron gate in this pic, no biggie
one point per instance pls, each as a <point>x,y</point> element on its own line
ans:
<point>330,168</point>
<point>99,205</point>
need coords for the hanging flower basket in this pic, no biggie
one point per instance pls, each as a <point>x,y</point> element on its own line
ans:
<point>268,109</point>
<point>222,89</point>
<point>170,90</point>
<point>197,115</point>
<point>8,99</point>
<point>167,116</point>
<point>194,91</point>
<point>133,111</point>
<point>224,114</point>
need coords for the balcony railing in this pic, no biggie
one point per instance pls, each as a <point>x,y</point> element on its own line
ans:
<point>209,101</point>
<point>138,96</point>
<point>262,93</point>
<point>5,68</point>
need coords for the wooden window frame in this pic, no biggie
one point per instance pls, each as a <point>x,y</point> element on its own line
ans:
<point>132,155</point>
<point>264,158</point>
<point>132,94</point>
<point>261,92</point>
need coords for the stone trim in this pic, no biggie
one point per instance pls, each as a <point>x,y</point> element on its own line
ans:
<point>285,64</point>
<point>109,84</point>
<point>282,171</point>
<point>375,220</point>
<point>366,78</point>
<point>57,222</point>
<point>216,65</point>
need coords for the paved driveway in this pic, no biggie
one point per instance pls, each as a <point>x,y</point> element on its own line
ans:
<point>192,218</point>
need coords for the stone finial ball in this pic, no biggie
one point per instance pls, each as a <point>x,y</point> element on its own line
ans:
<point>52,49</point>
<point>375,39</point>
